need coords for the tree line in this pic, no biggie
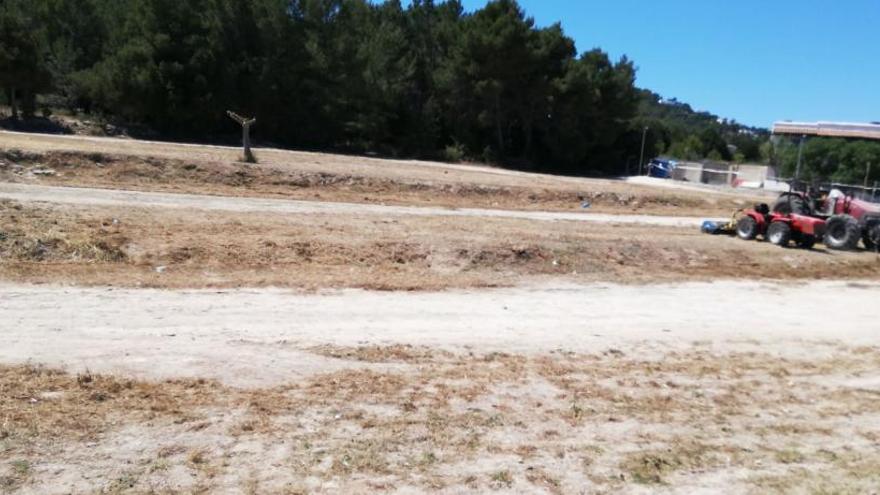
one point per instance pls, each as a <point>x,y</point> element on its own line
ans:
<point>428,80</point>
<point>847,161</point>
<point>682,132</point>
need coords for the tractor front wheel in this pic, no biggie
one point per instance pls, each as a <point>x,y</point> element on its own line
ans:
<point>747,228</point>
<point>842,232</point>
<point>779,233</point>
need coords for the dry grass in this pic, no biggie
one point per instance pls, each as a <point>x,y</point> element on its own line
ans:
<point>444,420</point>
<point>181,249</point>
<point>97,169</point>
<point>650,467</point>
<point>29,237</point>
<point>45,403</point>
<point>398,353</point>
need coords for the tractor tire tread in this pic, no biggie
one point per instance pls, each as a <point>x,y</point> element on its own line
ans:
<point>779,233</point>
<point>747,228</point>
<point>842,233</point>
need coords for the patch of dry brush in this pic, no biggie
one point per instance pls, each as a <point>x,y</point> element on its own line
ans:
<point>555,422</point>
<point>182,249</point>
<point>161,174</point>
<point>26,235</point>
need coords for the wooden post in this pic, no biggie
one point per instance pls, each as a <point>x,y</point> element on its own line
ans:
<point>245,135</point>
<point>13,104</point>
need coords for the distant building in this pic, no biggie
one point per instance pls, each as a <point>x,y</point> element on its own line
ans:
<point>724,174</point>
<point>753,175</point>
<point>704,173</point>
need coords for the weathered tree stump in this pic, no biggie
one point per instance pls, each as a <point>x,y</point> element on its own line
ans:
<point>245,135</point>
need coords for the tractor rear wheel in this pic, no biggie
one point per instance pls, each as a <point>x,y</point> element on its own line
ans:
<point>806,241</point>
<point>791,203</point>
<point>747,228</point>
<point>779,233</point>
<point>871,237</point>
<point>842,232</point>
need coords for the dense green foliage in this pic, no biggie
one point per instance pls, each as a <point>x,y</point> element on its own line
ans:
<point>679,131</point>
<point>24,70</point>
<point>830,159</point>
<point>425,80</point>
<point>428,80</point>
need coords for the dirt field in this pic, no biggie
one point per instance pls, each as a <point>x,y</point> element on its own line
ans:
<point>499,393</point>
<point>96,162</point>
<point>264,337</point>
<point>169,247</point>
<point>123,198</point>
<point>406,419</point>
<point>181,323</point>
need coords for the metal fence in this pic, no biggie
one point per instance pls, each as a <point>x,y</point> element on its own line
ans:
<point>871,193</point>
<point>704,173</point>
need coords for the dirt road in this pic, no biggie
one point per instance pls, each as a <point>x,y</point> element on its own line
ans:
<point>198,169</point>
<point>106,197</point>
<point>260,336</point>
<point>566,381</point>
<point>684,388</point>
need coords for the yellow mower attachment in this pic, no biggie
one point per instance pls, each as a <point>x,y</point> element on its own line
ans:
<point>718,228</point>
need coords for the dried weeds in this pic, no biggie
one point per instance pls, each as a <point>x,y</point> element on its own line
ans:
<point>473,421</point>
<point>228,178</point>
<point>175,249</point>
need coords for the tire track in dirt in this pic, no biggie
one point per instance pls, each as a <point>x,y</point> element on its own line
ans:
<point>260,335</point>
<point>108,197</point>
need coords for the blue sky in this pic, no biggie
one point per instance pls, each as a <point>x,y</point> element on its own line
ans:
<point>756,61</point>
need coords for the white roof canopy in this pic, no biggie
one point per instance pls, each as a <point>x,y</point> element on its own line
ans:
<point>831,129</point>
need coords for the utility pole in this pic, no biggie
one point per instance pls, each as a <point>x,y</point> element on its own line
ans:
<point>245,135</point>
<point>797,172</point>
<point>13,104</point>
<point>867,174</point>
<point>642,156</point>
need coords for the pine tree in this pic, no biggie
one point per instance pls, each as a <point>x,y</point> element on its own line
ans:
<point>23,55</point>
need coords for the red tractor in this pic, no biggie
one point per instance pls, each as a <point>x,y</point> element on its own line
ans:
<point>780,228</point>
<point>847,219</point>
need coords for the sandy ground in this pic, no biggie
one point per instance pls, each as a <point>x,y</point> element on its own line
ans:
<point>104,197</point>
<point>260,335</point>
<point>144,166</point>
<point>694,388</point>
<point>137,246</point>
<point>180,323</point>
<point>410,169</point>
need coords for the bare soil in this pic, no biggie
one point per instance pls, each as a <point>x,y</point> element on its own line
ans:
<point>408,419</point>
<point>323,349</point>
<point>268,337</point>
<point>320,177</point>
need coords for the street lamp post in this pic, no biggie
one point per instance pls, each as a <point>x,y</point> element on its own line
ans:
<point>642,156</point>
<point>797,172</point>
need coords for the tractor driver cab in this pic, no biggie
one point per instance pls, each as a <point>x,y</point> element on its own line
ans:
<point>828,202</point>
